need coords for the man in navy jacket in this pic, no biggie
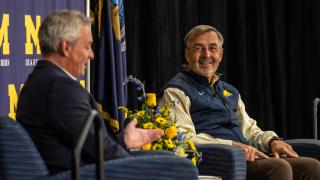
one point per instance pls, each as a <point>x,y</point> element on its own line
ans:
<point>53,105</point>
<point>214,112</point>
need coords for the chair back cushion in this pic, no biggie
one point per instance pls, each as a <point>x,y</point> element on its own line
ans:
<point>19,157</point>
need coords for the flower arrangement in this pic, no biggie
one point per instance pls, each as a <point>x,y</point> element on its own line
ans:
<point>151,116</point>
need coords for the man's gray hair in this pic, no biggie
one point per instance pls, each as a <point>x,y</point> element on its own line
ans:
<point>198,30</point>
<point>60,25</point>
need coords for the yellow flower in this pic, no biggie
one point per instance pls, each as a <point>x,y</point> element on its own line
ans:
<point>151,100</point>
<point>157,146</point>
<point>152,116</point>
<point>169,143</point>
<point>194,161</point>
<point>161,120</point>
<point>147,146</point>
<point>171,132</point>
<point>140,113</point>
<point>191,144</point>
<point>148,125</point>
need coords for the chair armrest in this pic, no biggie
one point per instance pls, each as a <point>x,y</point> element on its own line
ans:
<point>155,167</point>
<point>306,147</point>
<point>225,161</point>
<point>150,152</point>
<point>144,167</point>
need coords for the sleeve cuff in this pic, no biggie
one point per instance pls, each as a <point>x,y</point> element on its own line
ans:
<point>273,139</point>
<point>120,140</point>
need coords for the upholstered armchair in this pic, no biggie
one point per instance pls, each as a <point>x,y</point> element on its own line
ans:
<point>306,147</point>
<point>20,159</point>
<point>229,162</point>
<point>222,160</point>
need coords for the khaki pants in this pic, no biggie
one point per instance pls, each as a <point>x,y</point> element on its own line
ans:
<point>301,168</point>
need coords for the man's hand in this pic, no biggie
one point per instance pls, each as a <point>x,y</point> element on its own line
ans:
<point>136,137</point>
<point>251,152</point>
<point>280,148</point>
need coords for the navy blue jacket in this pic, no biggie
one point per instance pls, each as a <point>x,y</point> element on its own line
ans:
<point>213,109</point>
<point>52,107</point>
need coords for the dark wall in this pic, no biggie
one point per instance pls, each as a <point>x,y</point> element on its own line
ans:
<point>271,52</point>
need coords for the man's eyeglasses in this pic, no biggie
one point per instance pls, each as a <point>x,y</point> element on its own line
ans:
<point>201,48</point>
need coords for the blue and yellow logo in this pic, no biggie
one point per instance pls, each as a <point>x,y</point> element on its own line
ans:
<point>226,93</point>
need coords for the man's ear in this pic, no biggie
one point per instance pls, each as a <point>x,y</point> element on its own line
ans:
<point>221,54</point>
<point>65,48</point>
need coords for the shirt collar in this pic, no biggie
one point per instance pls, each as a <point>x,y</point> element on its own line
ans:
<point>214,78</point>
<point>70,75</point>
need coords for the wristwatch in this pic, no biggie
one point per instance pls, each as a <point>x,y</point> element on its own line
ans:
<point>273,139</point>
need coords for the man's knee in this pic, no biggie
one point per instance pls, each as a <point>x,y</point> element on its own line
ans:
<point>275,169</point>
<point>309,169</point>
<point>281,168</point>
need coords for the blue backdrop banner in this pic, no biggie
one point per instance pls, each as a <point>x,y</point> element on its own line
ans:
<point>19,45</point>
